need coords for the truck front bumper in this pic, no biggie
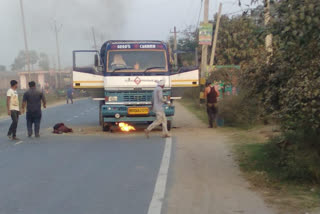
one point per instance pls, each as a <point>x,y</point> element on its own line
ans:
<point>109,113</point>
<point>131,119</point>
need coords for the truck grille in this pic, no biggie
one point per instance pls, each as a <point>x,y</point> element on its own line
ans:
<point>137,97</point>
<point>132,96</point>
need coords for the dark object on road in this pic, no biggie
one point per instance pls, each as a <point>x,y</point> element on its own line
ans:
<point>60,128</point>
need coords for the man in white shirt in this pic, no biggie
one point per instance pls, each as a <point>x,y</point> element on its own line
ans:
<point>157,107</point>
<point>13,109</point>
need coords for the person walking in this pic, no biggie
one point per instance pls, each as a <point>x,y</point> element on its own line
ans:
<point>70,94</point>
<point>32,99</point>
<point>211,94</point>
<point>157,107</point>
<point>13,109</point>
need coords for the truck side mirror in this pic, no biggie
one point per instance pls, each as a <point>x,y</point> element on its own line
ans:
<point>96,60</point>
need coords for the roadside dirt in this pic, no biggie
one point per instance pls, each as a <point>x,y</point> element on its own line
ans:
<point>206,179</point>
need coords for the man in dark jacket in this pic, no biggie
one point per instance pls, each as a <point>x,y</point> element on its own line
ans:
<point>32,98</point>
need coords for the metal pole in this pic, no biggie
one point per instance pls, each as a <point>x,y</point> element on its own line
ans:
<point>58,52</point>
<point>94,39</point>
<point>214,45</point>
<point>196,56</point>
<point>175,47</point>
<point>27,54</point>
<point>204,57</point>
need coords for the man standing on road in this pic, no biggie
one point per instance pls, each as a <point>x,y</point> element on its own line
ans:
<point>211,94</point>
<point>70,95</point>
<point>13,109</point>
<point>157,107</point>
<point>32,98</point>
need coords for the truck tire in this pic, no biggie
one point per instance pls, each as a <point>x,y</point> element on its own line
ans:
<point>100,113</point>
<point>106,127</point>
<point>169,125</point>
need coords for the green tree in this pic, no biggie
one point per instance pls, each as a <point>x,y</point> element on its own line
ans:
<point>186,44</point>
<point>239,38</point>
<point>290,82</point>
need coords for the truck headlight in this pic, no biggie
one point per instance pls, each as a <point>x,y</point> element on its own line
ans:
<point>113,99</point>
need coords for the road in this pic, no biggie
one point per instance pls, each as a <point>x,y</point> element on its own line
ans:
<point>91,172</point>
<point>76,173</point>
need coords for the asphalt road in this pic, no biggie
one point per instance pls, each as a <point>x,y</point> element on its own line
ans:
<point>80,174</point>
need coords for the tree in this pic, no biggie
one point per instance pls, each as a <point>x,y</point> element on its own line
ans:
<point>34,58</point>
<point>289,83</point>
<point>239,38</point>
<point>3,68</point>
<point>44,62</point>
<point>20,61</point>
<point>187,43</point>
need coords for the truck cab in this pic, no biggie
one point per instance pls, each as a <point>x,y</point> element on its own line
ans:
<point>123,77</point>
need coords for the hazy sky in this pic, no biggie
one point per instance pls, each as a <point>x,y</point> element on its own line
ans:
<point>111,19</point>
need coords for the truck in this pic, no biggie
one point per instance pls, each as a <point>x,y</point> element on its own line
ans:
<point>123,75</point>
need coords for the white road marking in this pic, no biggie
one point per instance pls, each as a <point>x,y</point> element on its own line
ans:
<point>75,116</point>
<point>18,143</point>
<point>160,187</point>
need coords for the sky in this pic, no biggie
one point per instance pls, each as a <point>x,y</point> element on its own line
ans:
<point>111,19</point>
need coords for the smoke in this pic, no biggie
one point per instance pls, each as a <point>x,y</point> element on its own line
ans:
<point>75,19</point>
<point>111,19</point>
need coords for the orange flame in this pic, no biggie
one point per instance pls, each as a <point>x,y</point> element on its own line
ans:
<point>126,127</point>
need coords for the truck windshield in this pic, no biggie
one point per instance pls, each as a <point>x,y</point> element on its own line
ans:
<point>137,61</point>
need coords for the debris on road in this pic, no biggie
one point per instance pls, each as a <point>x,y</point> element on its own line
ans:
<point>60,128</point>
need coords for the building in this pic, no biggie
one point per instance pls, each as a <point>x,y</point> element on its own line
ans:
<point>50,78</point>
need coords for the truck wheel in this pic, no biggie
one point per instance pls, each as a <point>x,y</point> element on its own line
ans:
<point>106,127</point>
<point>100,117</point>
<point>100,113</point>
<point>169,125</point>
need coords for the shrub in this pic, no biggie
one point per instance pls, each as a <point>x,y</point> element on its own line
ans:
<point>240,110</point>
<point>294,156</point>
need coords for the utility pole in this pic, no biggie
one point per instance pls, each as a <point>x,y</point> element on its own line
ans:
<point>196,56</point>
<point>94,39</point>
<point>267,18</point>
<point>27,54</point>
<point>204,57</point>
<point>58,51</point>
<point>55,71</point>
<point>175,46</point>
<point>214,44</point>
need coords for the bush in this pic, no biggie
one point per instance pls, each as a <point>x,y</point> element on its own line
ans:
<point>294,156</point>
<point>239,111</point>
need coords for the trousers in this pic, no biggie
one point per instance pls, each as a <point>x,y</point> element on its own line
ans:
<point>70,98</point>
<point>33,118</point>
<point>212,112</point>
<point>13,128</point>
<point>161,119</point>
